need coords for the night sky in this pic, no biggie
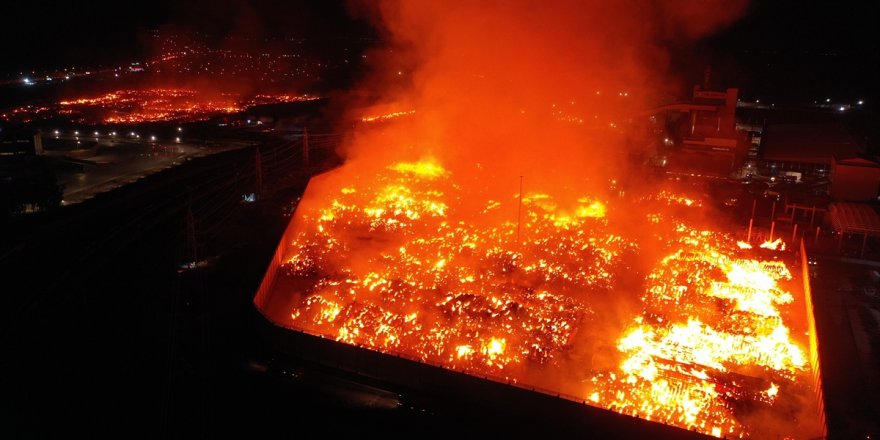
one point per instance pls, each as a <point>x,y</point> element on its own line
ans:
<point>57,34</point>
<point>784,50</point>
<point>791,49</point>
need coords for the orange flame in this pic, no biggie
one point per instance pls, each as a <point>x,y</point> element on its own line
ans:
<point>396,267</point>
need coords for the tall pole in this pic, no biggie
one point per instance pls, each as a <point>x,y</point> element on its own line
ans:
<point>519,210</point>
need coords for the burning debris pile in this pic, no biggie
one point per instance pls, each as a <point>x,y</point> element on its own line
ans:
<point>404,263</point>
<point>626,297</point>
<point>711,337</point>
<point>446,290</point>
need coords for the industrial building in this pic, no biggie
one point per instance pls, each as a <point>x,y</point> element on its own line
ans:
<point>443,382</point>
<point>704,136</point>
<point>20,142</point>
<point>808,148</point>
<point>855,179</point>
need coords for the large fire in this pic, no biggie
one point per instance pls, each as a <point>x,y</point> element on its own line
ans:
<point>514,288</point>
<point>427,245</point>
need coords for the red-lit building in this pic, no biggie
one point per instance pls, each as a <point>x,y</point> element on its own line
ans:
<point>822,150</point>
<point>856,179</point>
<point>705,139</point>
<point>809,148</point>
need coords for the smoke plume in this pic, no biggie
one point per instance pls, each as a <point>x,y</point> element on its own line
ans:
<point>529,88</point>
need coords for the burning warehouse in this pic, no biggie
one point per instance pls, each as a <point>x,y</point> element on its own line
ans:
<point>710,337</point>
<point>493,228</point>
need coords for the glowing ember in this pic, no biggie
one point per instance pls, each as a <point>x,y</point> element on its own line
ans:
<point>565,278</point>
<point>776,245</point>
<point>675,199</point>
<point>407,264</point>
<point>150,105</point>
<point>451,292</point>
<point>387,116</point>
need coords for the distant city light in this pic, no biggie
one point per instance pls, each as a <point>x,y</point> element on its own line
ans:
<point>76,133</point>
<point>177,139</point>
<point>179,129</point>
<point>153,138</point>
<point>841,108</point>
<point>96,133</point>
<point>861,102</point>
<point>827,99</point>
<point>27,81</point>
<point>56,132</point>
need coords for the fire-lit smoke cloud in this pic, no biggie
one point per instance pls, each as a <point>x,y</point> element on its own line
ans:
<point>490,218</point>
<point>541,89</point>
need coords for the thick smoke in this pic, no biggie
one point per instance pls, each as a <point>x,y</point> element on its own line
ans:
<point>493,91</point>
<point>543,90</point>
